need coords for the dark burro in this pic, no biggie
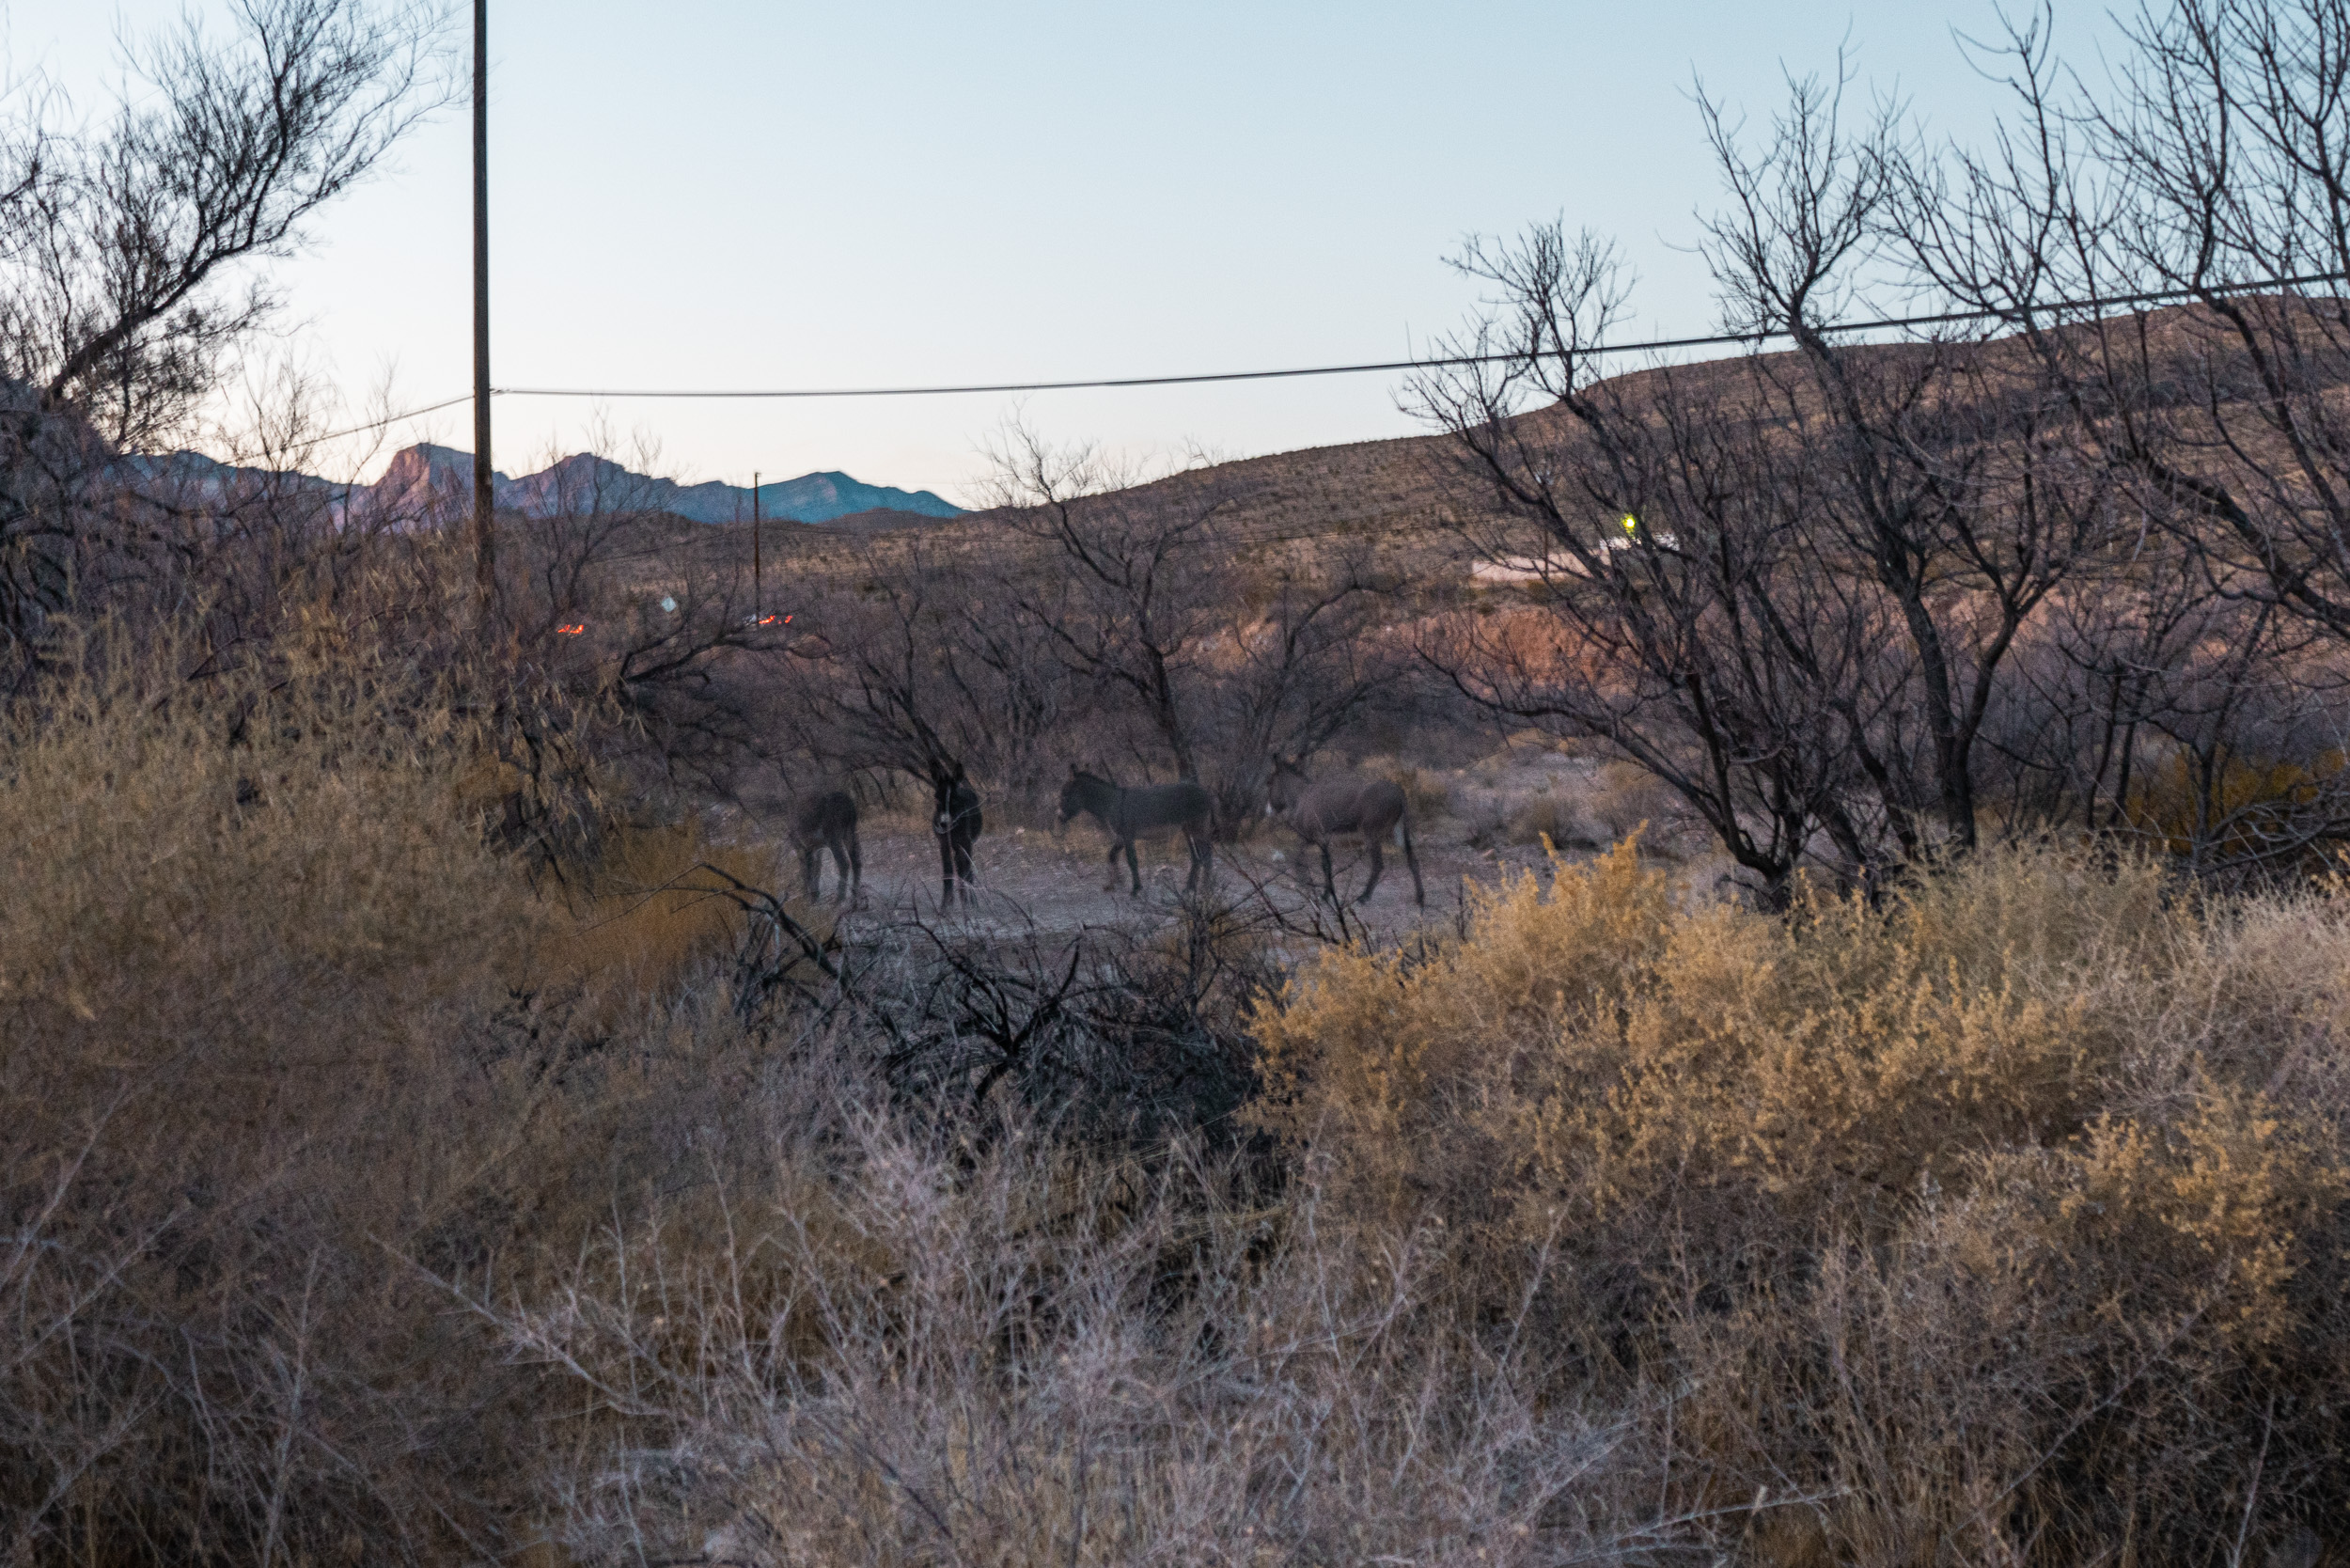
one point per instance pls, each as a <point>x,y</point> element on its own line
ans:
<point>827,821</point>
<point>956,821</point>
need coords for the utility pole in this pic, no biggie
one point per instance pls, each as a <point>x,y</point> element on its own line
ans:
<point>484,495</point>
<point>759,594</point>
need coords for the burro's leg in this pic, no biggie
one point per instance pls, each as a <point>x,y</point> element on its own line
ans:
<point>965,866</point>
<point>840,864</point>
<point>1329,884</point>
<point>1109,875</point>
<point>1202,863</point>
<point>946,871</point>
<point>1133,870</point>
<point>812,871</point>
<point>1419,894</point>
<point>1378,864</point>
<point>857,869</point>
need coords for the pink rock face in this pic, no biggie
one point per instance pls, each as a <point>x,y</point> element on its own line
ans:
<point>426,482</point>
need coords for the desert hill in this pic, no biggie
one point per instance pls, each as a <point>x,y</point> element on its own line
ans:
<point>1405,486</point>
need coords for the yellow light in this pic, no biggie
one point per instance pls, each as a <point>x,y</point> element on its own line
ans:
<point>1631,524</point>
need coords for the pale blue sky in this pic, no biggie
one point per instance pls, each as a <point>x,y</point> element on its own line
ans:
<point>703,192</point>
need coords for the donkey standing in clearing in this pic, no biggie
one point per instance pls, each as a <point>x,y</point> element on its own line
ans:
<point>827,821</point>
<point>957,822</point>
<point>1370,808</point>
<point>1141,813</point>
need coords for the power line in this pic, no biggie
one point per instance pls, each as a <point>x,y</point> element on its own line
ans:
<point>1594,350</point>
<point>396,418</point>
<point>1447,362</point>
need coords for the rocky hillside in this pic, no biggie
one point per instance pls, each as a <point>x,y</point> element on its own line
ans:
<point>426,480</point>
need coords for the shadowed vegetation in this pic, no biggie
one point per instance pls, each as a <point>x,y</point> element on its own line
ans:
<point>430,1132</point>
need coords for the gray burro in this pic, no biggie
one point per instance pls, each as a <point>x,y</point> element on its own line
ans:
<point>1319,810</point>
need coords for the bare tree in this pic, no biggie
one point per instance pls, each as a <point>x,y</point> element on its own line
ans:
<point>1131,610</point>
<point>1792,584</point>
<point>1685,629</point>
<point>903,674</point>
<point>1293,676</point>
<point>1945,487</point>
<point>2211,167</point>
<point>124,276</point>
<point>1222,661</point>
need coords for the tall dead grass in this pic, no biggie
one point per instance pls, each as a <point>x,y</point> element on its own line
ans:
<point>249,974</point>
<point>285,1038</point>
<point>1012,1354</point>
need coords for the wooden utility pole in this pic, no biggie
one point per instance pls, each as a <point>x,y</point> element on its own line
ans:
<point>759,594</point>
<point>484,494</point>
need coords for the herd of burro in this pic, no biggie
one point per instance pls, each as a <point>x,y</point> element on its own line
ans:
<point>1317,810</point>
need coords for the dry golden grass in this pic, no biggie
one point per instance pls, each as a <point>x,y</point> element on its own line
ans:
<point>1548,814</point>
<point>2244,805</point>
<point>1624,800</point>
<point>1425,795</point>
<point>653,908</point>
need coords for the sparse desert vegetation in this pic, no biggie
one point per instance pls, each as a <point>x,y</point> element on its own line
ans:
<point>1868,1084</point>
<point>2006,1218</point>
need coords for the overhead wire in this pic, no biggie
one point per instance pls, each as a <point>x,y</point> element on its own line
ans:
<point>1440,361</point>
<point>396,418</point>
<point>1594,350</point>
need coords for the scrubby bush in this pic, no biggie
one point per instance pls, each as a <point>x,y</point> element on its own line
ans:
<point>1974,1224</point>
<point>1548,815</point>
<point>1426,796</point>
<point>1624,800</point>
<point>250,971</point>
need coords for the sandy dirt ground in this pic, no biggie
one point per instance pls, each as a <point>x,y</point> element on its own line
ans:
<point>1030,880</point>
<point>1477,825</point>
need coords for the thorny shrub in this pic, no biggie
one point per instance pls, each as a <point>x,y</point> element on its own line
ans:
<point>894,1351</point>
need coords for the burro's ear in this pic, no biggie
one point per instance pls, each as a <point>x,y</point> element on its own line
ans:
<point>1072,770</point>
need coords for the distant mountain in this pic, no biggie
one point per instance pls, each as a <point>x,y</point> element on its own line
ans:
<point>192,476</point>
<point>421,474</point>
<point>426,480</point>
